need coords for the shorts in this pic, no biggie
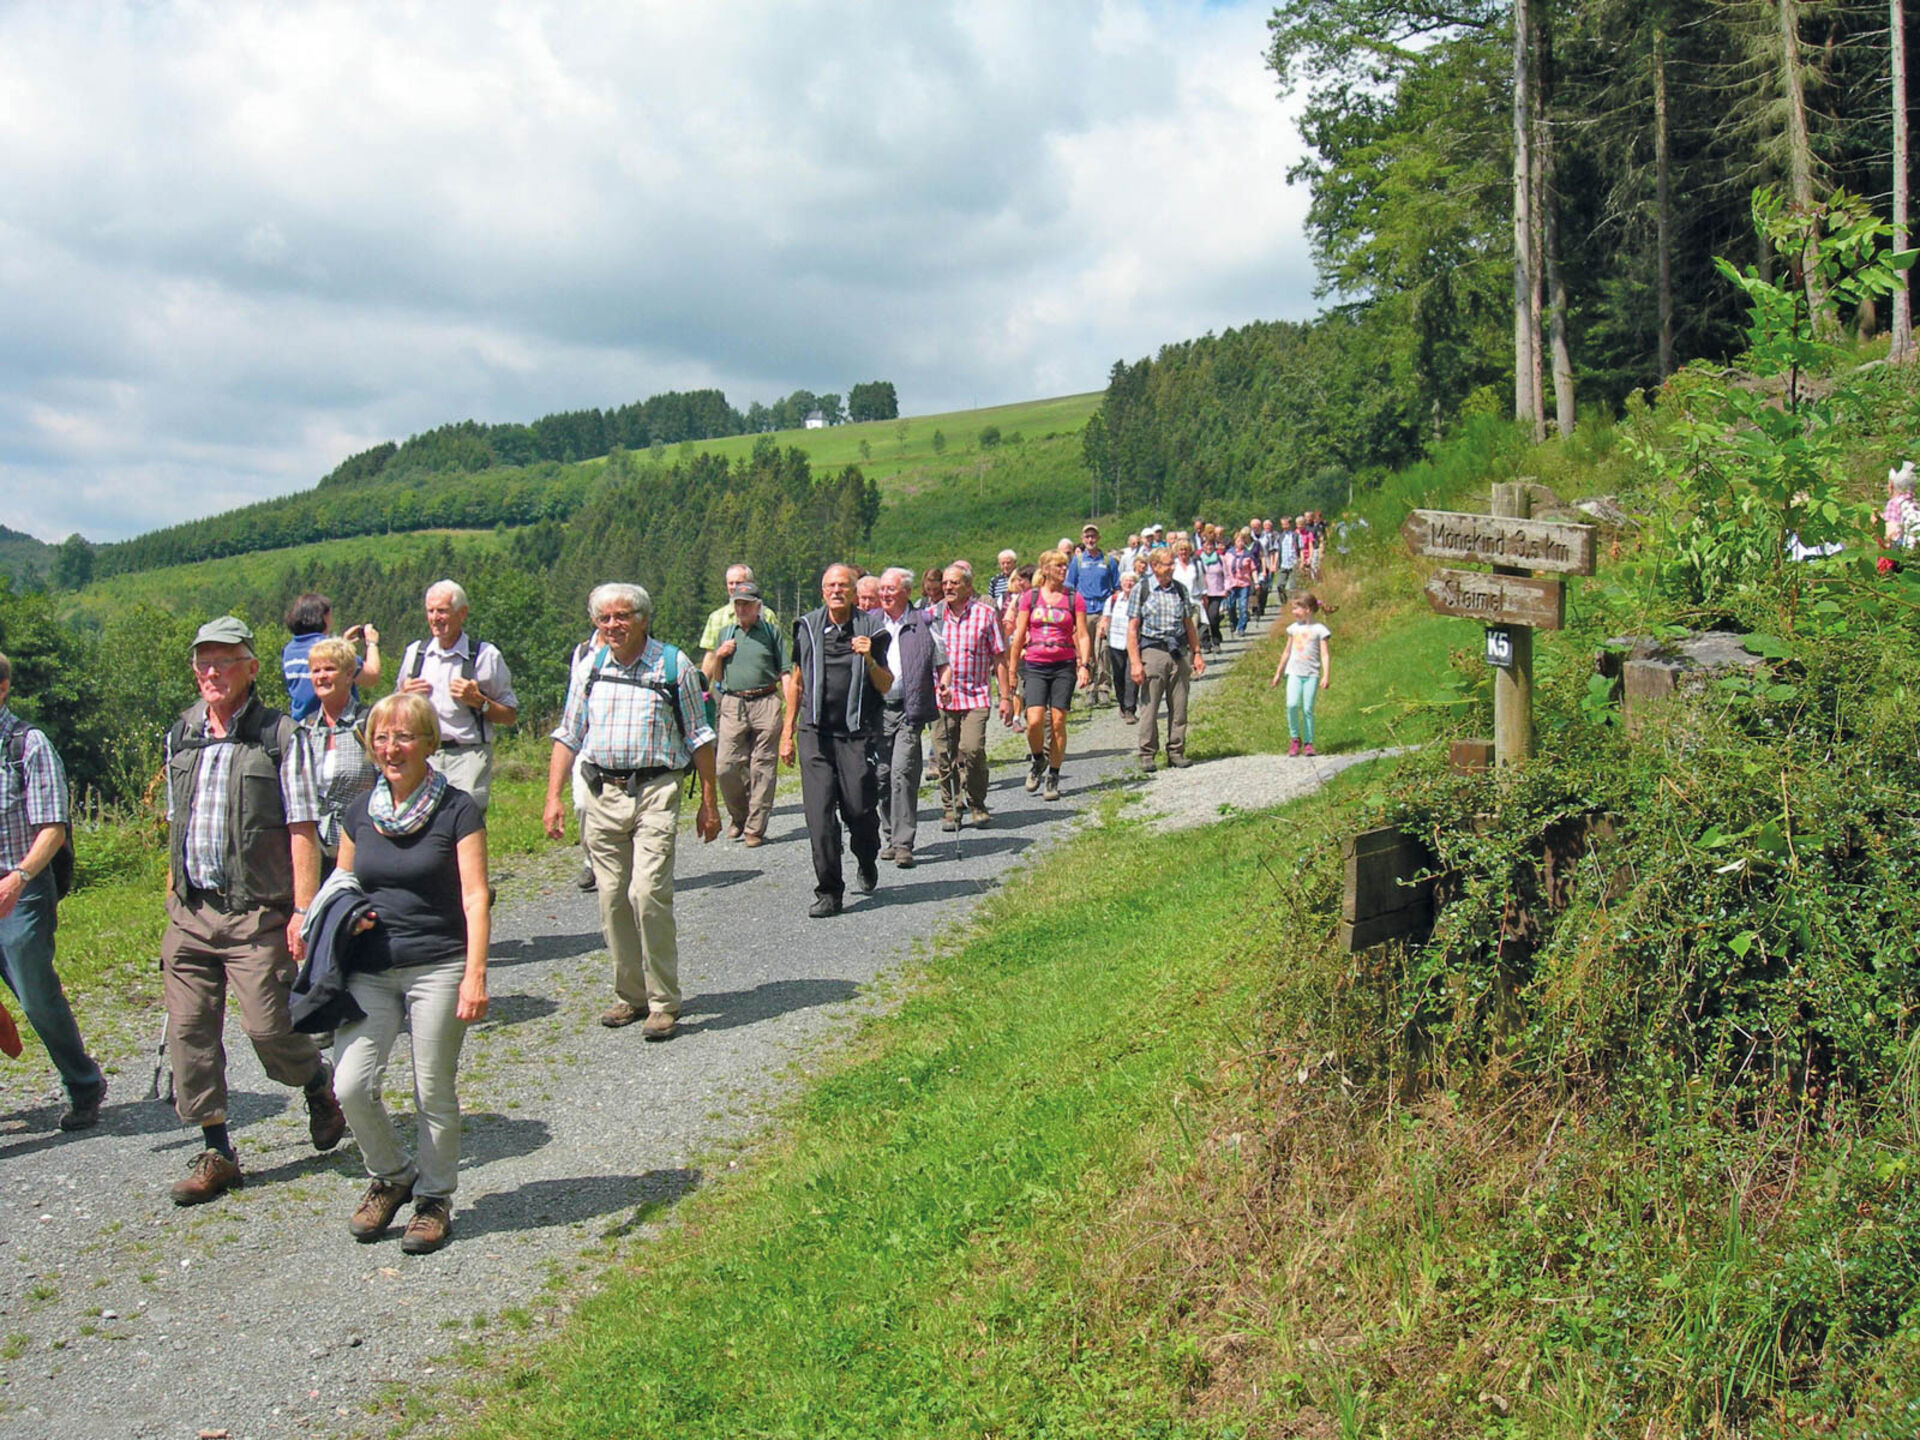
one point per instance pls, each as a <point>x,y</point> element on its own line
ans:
<point>1048,683</point>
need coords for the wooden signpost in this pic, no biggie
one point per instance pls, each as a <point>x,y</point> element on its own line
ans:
<point>1510,600</point>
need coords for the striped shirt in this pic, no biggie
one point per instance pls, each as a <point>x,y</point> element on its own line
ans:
<point>207,810</point>
<point>1163,613</point>
<point>974,641</point>
<point>618,725</point>
<point>32,793</point>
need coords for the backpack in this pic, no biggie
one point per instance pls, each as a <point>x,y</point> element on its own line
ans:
<point>63,857</point>
<point>670,687</point>
<point>474,646</point>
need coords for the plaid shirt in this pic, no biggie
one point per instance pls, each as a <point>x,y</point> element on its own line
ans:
<point>206,837</point>
<point>973,642</point>
<point>625,727</point>
<point>41,800</point>
<point>342,770</point>
<point>1162,614</point>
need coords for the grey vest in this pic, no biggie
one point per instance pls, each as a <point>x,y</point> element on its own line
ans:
<point>259,858</point>
<point>863,701</point>
<point>912,667</point>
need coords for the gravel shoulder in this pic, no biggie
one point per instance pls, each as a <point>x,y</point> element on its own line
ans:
<point>258,1316</point>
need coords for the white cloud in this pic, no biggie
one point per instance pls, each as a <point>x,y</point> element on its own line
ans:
<point>238,241</point>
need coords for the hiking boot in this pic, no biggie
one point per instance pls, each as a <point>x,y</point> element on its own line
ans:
<point>1179,762</point>
<point>1127,717</point>
<point>866,875</point>
<point>949,820</point>
<point>85,1114</point>
<point>1293,748</point>
<point>824,908</point>
<point>584,880</point>
<point>1306,749</point>
<point>660,1025</point>
<point>1052,791</point>
<point>376,1210</point>
<point>620,1014</point>
<point>430,1228</point>
<point>978,816</point>
<point>1036,771</point>
<point>1147,766</point>
<point>326,1121</point>
<point>736,832</point>
<point>212,1175</point>
<point>903,857</point>
<point>752,841</point>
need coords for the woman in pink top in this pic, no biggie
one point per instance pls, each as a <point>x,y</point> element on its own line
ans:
<point>1050,635</point>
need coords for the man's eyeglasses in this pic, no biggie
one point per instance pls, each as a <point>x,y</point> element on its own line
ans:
<point>615,617</point>
<point>214,667</point>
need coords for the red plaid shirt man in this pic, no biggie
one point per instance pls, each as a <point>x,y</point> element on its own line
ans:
<point>974,643</point>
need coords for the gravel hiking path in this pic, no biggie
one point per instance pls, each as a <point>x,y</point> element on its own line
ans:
<point>257,1316</point>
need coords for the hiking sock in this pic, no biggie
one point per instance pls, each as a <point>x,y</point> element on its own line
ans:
<point>214,1137</point>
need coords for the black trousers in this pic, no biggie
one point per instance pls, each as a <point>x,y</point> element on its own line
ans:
<point>837,782</point>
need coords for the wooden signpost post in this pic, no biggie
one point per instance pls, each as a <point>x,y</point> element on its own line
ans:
<point>1510,600</point>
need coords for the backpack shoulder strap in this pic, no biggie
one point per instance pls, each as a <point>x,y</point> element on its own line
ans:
<point>416,657</point>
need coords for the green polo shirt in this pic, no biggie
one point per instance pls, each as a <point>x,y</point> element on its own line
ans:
<point>760,656</point>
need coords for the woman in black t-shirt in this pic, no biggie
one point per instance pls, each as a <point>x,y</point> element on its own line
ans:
<point>418,848</point>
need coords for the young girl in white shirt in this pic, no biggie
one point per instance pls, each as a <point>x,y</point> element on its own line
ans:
<point>1307,668</point>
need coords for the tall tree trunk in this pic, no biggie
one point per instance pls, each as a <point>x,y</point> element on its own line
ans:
<point>1547,207</point>
<point>1902,347</point>
<point>1526,329</point>
<point>1793,85</point>
<point>1663,198</point>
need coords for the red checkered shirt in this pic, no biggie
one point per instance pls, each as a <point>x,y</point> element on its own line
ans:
<point>973,642</point>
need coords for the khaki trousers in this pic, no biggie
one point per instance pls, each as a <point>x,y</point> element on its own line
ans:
<point>748,759</point>
<point>203,953</point>
<point>1169,677</point>
<point>469,769</point>
<point>960,754</point>
<point>629,843</point>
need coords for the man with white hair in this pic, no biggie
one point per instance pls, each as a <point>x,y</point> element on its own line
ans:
<point>1002,581</point>
<point>636,716</point>
<point>918,659</point>
<point>466,681</point>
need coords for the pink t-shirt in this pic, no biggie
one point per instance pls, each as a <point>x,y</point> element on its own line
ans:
<point>1050,625</point>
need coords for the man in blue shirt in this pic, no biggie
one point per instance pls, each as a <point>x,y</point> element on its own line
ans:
<point>1096,576</point>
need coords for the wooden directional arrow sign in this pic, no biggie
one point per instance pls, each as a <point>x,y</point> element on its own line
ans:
<point>1498,599</point>
<point>1492,540</point>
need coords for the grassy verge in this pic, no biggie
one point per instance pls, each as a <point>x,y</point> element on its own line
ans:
<point>907,1262</point>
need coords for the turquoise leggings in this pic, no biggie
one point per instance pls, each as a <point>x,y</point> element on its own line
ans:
<point>1300,692</point>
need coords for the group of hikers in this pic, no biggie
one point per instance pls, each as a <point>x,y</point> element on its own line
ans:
<point>328,864</point>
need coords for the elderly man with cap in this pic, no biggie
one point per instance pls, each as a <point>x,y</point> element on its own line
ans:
<point>242,809</point>
<point>723,612</point>
<point>466,681</point>
<point>747,665</point>
<point>1096,575</point>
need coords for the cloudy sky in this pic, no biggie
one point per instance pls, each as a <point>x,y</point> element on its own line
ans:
<point>239,242</point>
